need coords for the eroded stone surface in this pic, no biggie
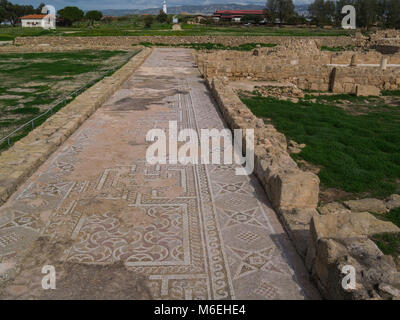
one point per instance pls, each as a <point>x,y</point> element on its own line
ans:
<point>101,215</point>
<point>367,205</point>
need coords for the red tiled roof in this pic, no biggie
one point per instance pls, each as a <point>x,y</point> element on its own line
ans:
<point>34,16</point>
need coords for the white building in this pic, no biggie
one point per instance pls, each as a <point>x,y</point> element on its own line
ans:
<point>164,7</point>
<point>38,21</point>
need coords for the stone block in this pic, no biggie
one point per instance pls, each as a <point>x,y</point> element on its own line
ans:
<point>367,205</point>
<point>367,90</point>
<point>293,189</point>
<point>344,225</point>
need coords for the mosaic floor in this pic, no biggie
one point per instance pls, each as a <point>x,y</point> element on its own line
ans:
<point>115,227</point>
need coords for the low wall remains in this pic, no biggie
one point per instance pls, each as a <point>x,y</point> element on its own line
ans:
<point>293,193</point>
<point>329,243</point>
<point>303,64</point>
<point>89,42</point>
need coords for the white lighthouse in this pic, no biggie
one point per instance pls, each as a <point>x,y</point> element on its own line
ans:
<point>164,7</point>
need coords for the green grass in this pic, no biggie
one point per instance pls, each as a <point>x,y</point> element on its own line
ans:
<point>395,93</point>
<point>10,33</point>
<point>337,98</point>
<point>26,110</point>
<point>389,243</point>
<point>135,27</point>
<point>262,30</point>
<point>5,37</point>
<point>357,153</point>
<point>211,46</point>
<point>46,74</point>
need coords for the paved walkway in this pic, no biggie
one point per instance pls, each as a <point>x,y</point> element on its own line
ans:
<point>114,226</point>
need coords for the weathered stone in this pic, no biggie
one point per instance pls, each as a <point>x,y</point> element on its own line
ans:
<point>393,202</point>
<point>367,205</point>
<point>333,207</point>
<point>354,60</point>
<point>327,257</point>
<point>388,291</point>
<point>294,147</point>
<point>344,225</point>
<point>367,90</point>
<point>384,62</point>
<point>293,189</point>
<point>297,224</point>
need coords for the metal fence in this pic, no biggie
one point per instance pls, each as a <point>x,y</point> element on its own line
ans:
<point>61,103</point>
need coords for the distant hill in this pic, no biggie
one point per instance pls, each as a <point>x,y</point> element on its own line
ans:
<point>207,9</point>
<point>193,9</point>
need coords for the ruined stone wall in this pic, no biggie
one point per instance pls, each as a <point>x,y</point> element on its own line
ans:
<point>88,42</point>
<point>306,67</point>
<point>369,57</point>
<point>292,192</point>
<point>386,37</point>
<point>328,241</point>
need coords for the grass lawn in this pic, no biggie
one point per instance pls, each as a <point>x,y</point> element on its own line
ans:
<point>31,83</point>
<point>389,243</point>
<point>263,31</point>
<point>356,142</point>
<point>391,93</point>
<point>159,29</point>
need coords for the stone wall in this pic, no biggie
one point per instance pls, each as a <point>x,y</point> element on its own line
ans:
<point>303,64</point>
<point>292,192</point>
<point>330,242</point>
<point>385,37</point>
<point>341,239</point>
<point>89,42</point>
<point>26,155</point>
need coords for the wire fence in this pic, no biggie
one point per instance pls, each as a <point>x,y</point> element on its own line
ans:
<point>24,129</point>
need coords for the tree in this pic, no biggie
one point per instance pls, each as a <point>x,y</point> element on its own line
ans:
<point>367,12</point>
<point>162,17</point>
<point>93,16</point>
<point>148,21</point>
<point>279,9</point>
<point>392,13</point>
<point>71,14</point>
<point>322,12</point>
<point>40,7</point>
<point>13,12</point>
<point>2,13</point>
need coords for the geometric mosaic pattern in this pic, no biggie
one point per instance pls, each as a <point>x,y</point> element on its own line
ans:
<point>193,231</point>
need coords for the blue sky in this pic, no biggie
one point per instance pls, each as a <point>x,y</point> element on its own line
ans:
<point>132,4</point>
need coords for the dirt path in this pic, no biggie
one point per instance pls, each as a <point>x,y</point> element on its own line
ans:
<point>114,226</point>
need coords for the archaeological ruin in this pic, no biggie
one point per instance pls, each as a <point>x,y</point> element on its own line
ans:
<point>80,183</point>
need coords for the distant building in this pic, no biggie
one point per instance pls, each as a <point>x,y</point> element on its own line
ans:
<point>236,15</point>
<point>164,7</point>
<point>37,21</point>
